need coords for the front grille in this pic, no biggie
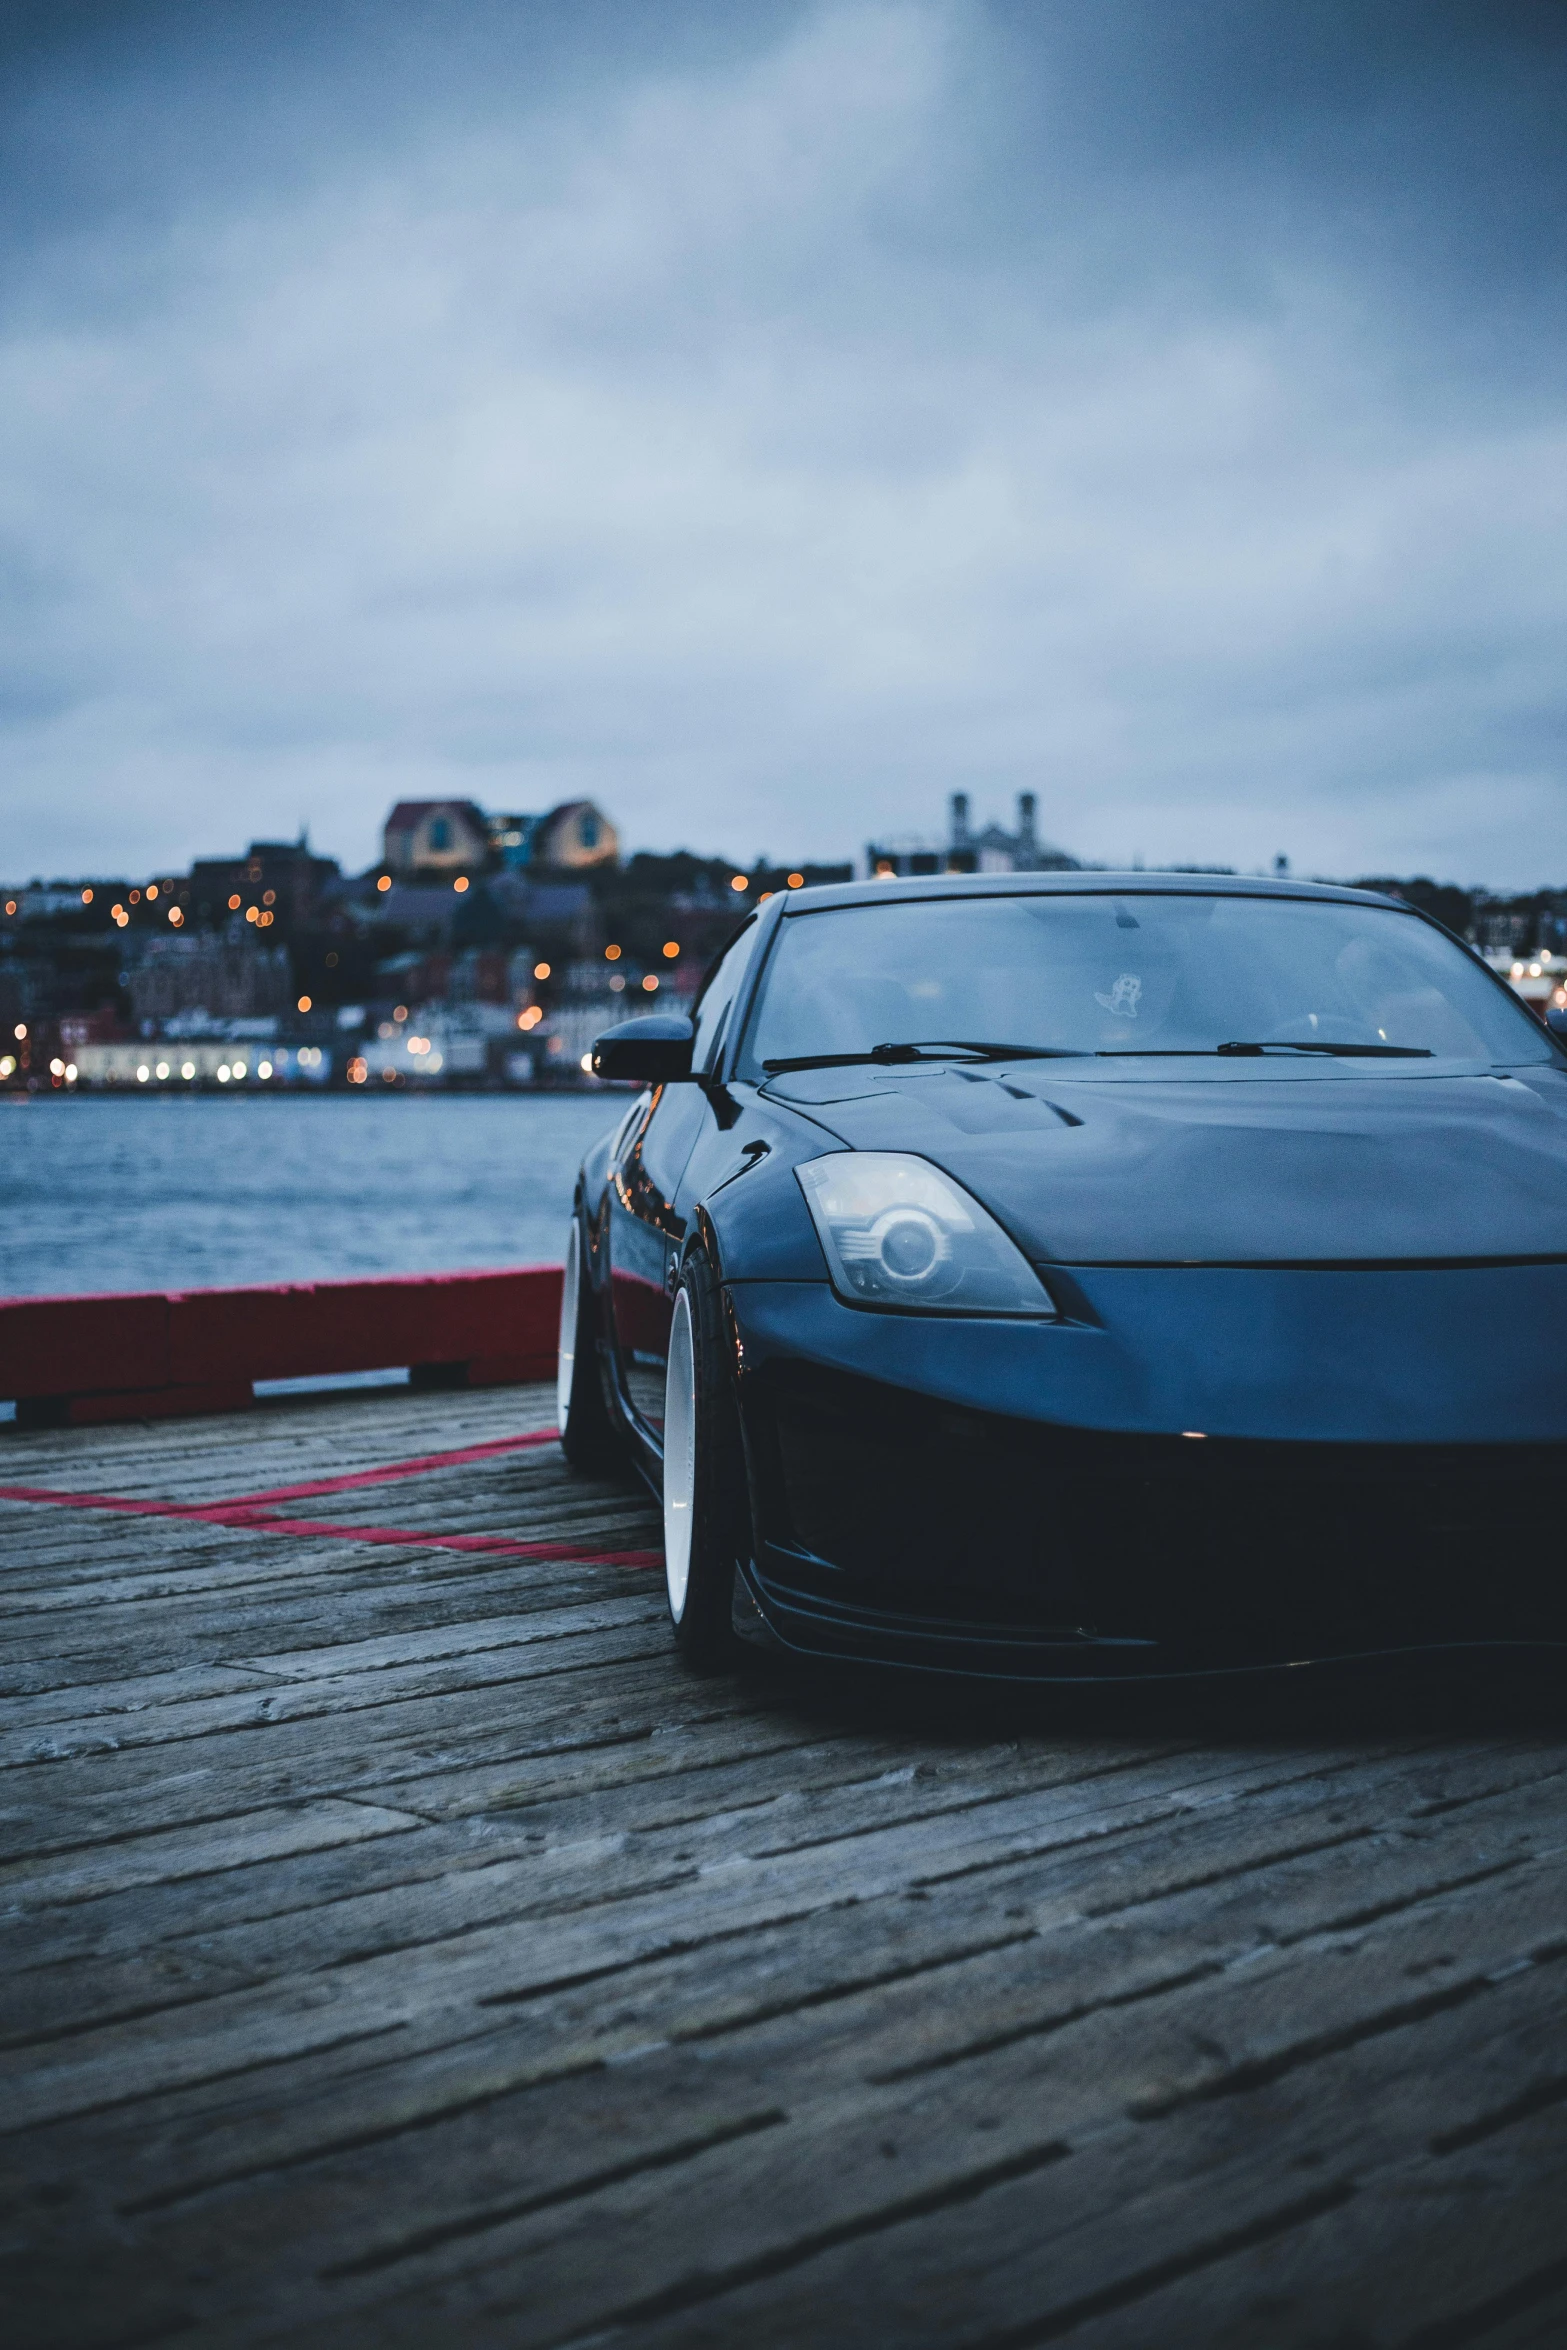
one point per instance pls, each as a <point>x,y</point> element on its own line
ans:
<point>893,1504</point>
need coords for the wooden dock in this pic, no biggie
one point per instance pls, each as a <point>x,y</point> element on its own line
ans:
<point>402,1949</point>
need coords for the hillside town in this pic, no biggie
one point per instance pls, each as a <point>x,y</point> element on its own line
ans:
<point>481,949</point>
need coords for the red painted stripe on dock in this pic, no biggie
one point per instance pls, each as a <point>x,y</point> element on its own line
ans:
<point>244,1515</point>
<point>399,1536</point>
<point>432,1460</point>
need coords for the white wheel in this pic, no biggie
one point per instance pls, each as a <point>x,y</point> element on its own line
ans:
<point>679,1456</point>
<point>566,1358</point>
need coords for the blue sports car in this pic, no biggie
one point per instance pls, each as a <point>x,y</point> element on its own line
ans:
<point>1085,1274</point>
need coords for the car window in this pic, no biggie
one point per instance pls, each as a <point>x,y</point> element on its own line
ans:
<point>717,998</point>
<point>1145,972</point>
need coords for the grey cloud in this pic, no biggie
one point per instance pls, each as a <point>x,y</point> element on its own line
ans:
<point>770,430</point>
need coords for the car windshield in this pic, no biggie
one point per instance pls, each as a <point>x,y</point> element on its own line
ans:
<point>1145,973</point>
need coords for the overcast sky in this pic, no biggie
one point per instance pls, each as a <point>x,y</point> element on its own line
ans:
<point>767,420</point>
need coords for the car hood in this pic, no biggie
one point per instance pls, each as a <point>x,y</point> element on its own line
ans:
<point>1230,1164</point>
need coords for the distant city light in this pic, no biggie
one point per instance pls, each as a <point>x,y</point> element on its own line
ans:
<point>617,984</point>
<point>390,1076</point>
<point>269,897</point>
<point>541,970</point>
<point>152,892</point>
<point>797,881</point>
<point>163,1069</point>
<point>57,1068</point>
<point>671,947</point>
<point>358,1070</point>
<point>385,882</point>
<point>175,916</point>
<point>461,883</point>
<point>252,913</point>
<point>10,905</point>
<point>304,1003</point>
<point>234,905</point>
<point>223,1074</point>
<point>530,1018</point>
<point>70,1072</point>
<point>142,1074</point>
<point>741,881</point>
<point>135,897</point>
<point>400,1012</point>
<point>263,1068</point>
<point>188,1069</point>
<point>86,898</point>
<point>651,982</point>
<point>587,1063</point>
<point>766,894</point>
<point>612,954</point>
<point>240,1069</point>
<point>7,1064</point>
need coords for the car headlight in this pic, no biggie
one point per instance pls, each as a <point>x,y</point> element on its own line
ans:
<point>897,1232</point>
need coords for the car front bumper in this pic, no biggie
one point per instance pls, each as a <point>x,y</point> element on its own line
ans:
<point>905,1525</point>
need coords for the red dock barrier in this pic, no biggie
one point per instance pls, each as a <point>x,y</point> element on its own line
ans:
<point>67,1361</point>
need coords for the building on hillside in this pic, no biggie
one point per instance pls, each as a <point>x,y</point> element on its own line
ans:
<point>222,978</point>
<point>283,879</point>
<point>993,850</point>
<point>425,837</point>
<point>574,838</point>
<point>435,836</point>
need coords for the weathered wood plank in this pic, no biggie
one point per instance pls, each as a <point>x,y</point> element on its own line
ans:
<point>408,1949</point>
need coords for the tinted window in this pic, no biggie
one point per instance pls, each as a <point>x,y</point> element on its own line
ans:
<point>1139,973</point>
<point>717,998</point>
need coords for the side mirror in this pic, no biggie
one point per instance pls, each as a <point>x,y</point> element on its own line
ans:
<point>655,1050</point>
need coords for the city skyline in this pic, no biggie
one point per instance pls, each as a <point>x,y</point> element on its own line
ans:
<point>765,426</point>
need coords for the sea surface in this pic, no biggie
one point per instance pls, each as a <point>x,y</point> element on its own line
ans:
<point>202,1192</point>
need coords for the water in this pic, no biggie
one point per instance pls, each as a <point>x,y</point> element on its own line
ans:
<point>202,1192</point>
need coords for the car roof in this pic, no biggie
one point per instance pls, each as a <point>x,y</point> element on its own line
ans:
<point>1014,885</point>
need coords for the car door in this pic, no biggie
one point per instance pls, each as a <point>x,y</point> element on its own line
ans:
<point>646,1228</point>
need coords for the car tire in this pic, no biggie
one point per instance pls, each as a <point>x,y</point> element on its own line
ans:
<point>587,1434</point>
<point>707,1515</point>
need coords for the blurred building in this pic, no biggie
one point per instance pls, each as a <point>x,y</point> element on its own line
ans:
<point>221,977</point>
<point>431,838</point>
<point>435,836</point>
<point>278,883</point>
<point>989,850</point>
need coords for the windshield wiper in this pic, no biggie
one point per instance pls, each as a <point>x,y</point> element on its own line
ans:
<point>885,1055</point>
<point>1379,1052</point>
<point>1275,1044</point>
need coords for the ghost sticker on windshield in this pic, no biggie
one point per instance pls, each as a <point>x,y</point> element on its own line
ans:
<point>1123,997</point>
